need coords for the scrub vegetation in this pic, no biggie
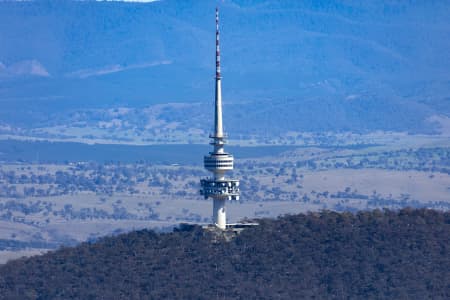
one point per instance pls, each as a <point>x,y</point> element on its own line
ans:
<point>372,254</point>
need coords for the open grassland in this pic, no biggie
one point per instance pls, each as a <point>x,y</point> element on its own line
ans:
<point>43,206</point>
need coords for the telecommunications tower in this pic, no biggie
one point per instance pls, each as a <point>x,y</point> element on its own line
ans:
<point>219,188</point>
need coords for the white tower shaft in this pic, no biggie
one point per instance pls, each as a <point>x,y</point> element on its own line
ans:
<point>218,124</point>
<point>219,212</point>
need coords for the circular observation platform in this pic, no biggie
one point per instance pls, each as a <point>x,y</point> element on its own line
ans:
<point>218,162</point>
<point>227,189</point>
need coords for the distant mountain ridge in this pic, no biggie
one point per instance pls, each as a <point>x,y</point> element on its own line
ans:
<point>339,65</point>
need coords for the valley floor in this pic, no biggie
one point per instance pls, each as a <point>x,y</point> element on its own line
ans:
<point>44,206</point>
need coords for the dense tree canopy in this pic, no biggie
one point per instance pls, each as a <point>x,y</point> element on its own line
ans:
<point>377,254</point>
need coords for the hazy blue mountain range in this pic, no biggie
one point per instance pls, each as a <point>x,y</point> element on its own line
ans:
<point>303,65</point>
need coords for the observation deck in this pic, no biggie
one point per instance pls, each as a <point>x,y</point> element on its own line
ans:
<point>227,189</point>
<point>216,162</point>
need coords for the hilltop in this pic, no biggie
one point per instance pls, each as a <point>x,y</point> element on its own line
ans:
<point>376,254</point>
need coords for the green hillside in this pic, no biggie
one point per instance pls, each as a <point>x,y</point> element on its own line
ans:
<point>374,255</point>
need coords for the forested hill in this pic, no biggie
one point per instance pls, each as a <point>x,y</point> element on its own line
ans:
<point>374,255</point>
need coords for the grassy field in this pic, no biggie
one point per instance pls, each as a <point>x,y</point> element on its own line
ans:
<point>43,206</point>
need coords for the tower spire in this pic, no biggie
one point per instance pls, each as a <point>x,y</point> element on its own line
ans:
<point>217,45</point>
<point>218,125</point>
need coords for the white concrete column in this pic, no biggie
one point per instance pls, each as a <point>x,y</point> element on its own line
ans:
<point>219,214</point>
<point>218,110</point>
